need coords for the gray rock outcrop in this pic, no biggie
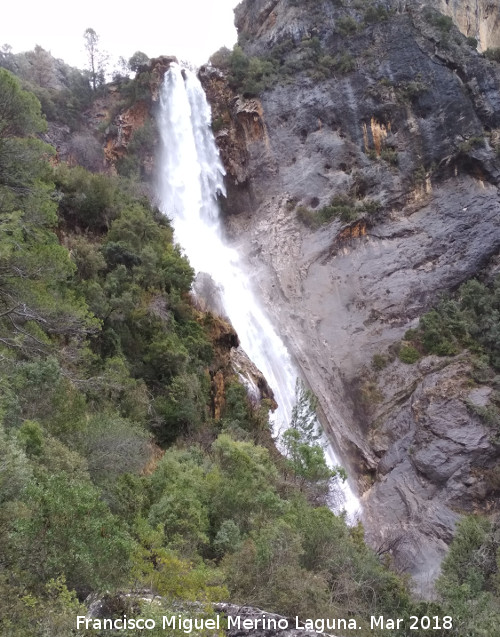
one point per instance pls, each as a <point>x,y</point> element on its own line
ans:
<point>413,124</point>
<point>248,621</point>
<point>264,623</point>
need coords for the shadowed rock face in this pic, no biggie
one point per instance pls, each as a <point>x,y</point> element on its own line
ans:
<point>414,125</point>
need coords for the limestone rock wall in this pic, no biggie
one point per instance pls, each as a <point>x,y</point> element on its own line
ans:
<point>413,125</point>
<point>479,19</point>
<point>272,20</point>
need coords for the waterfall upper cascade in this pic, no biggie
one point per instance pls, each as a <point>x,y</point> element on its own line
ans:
<point>191,179</point>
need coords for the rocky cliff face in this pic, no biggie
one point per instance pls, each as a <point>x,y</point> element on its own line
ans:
<point>410,120</point>
<point>478,19</point>
<point>110,125</point>
<point>262,22</point>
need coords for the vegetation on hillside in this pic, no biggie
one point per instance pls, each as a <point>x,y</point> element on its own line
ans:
<point>470,320</point>
<point>114,472</point>
<point>342,207</point>
<point>251,75</point>
<point>64,92</point>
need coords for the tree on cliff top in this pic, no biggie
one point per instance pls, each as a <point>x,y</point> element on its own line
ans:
<point>137,60</point>
<point>96,58</point>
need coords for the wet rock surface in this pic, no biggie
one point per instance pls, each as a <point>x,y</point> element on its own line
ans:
<point>414,125</point>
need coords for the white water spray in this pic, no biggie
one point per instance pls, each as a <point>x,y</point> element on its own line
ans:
<point>191,179</point>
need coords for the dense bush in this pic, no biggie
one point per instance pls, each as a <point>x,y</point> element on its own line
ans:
<point>376,13</point>
<point>250,75</point>
<point>436,19</point>
<point>346,25</point>
<point>410,91</point>
<point>390,155</point>
<point>63,92</point>
<point>408,354</point>
<point>341,207</point>
<point>91,337</point>
<point>493,54</point>
<point>253,75</point>
<point>468,585</point>
<point>470,320</point>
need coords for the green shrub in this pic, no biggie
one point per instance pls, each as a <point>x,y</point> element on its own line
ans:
<point>419,176</point>
<point>308,217</point>
<point>471,320</point>
<point>250,75</point>
<point>379,362</point>
<point>375,14</point>
<point>472,42</point>
<point>128,166</point>
<point>408,91</point>
<point>371,206</point>
<point>340,207</point>
<point>389,155</point>
<point>346,25</point>
<point>279,51</point>
<point>344,63</point>
<point>408,354</point>
<point>440,328</point>
<point>489,414</point>
<point>142,144</point>
<point>313,44</point>
<point>70,530</point>
<point>493,54</point>
<point>217,124</point>
<point>471,143</point>
<point>442,22</point>
<point>221,58</point>
<point>86,200</point>
<point>139,88</point>
<point>468,584</point>
<point>137,60</point>
<point>323,68</point>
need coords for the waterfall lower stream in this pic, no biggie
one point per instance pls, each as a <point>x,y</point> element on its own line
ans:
<point>191,179</point>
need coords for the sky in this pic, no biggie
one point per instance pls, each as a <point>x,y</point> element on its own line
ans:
<point>190,29</point>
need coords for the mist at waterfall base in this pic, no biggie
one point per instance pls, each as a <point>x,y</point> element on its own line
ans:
<point>191,179</point>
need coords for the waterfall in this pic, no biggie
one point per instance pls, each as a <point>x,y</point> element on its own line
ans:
<point>191,178</point>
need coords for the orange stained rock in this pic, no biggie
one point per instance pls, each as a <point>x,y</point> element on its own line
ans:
<point>353,231</point>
